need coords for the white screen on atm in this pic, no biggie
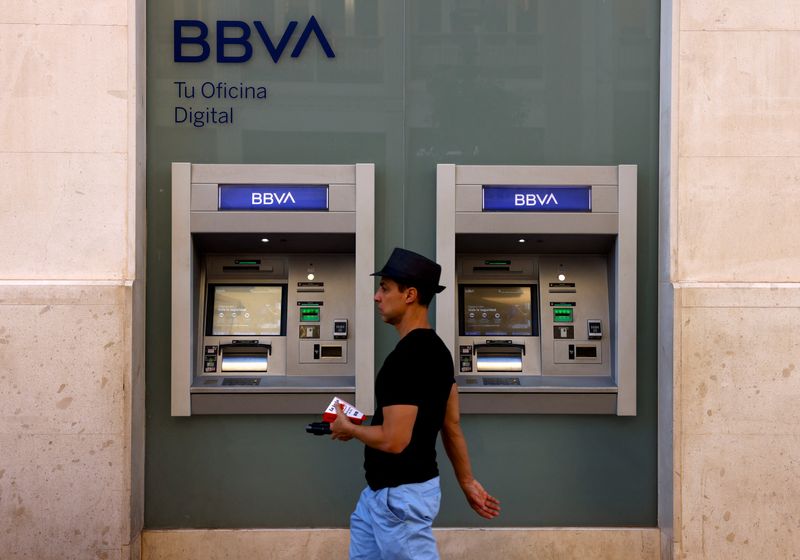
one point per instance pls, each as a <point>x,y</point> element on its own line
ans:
<point>497,311</point>
<point>247,310</point>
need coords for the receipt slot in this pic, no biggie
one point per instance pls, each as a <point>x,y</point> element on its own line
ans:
<point>543,258</point>
<point>271,288</point>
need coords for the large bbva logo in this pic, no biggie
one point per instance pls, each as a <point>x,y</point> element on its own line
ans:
<point>237,34</point>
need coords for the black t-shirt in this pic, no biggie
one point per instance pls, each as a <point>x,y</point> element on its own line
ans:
<point>419,372</point>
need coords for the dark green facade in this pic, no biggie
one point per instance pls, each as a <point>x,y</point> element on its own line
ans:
<point>413,83</point>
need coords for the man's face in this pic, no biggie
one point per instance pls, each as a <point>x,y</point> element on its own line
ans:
<point>392,302</point>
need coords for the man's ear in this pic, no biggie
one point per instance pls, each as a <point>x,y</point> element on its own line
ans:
<point>412,294</point>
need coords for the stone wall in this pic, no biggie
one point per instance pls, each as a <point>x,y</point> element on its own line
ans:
<point>455,544</point>
<point>71,330</point>
<point>71,320</point>
<point>734,265</point>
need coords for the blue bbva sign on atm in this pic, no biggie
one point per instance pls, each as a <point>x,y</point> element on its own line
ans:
<point>538,198</point>
<point>273,197</point>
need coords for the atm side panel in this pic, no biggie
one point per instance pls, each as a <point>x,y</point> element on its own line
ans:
<point>570,309</point>
<point>320,315</point>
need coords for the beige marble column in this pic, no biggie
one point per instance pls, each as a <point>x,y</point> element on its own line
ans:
<point>71,279</point>
<point>734,265</point>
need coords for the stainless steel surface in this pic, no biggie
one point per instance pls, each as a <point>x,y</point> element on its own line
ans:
<point>499,362</point>
<point>256,362</point>
<point>538,403</point>
<point>596,250</point>
<point>276,384</point>
<point>266,403</point>
<point>475,383</point>
<point>333,244</point>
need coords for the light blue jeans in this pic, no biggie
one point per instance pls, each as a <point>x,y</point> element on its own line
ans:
<point>395,523</point>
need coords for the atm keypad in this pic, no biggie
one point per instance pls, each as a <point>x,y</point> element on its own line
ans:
<point>501,380</point>
<point>562,314</point>
<point>241,382</point>
<point>309,314</point>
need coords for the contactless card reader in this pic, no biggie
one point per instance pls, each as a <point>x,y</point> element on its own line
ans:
<point>339,329</point>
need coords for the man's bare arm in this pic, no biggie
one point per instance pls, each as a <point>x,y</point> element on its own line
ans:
<point>455,445</point>
<point>393,436</point>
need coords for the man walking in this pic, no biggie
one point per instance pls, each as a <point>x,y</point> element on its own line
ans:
<point>416,397</point>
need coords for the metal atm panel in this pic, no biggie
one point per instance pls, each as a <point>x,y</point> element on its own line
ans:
<point>268,262</point>
<point>570,234</point>
<point>572,305</point>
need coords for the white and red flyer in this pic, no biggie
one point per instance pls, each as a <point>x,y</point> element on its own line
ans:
<point>355,415</point>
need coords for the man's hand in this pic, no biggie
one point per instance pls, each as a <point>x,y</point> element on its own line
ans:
<point>342,427</point>
<point>480,500</point>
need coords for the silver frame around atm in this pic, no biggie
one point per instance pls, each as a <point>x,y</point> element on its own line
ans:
<point>351,201</point>
<point>459,203</point>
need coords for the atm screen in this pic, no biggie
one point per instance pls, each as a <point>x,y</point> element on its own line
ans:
<point>493,310</point>
<point>235,310</point>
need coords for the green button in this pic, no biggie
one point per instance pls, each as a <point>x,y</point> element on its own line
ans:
<point>562,314</point>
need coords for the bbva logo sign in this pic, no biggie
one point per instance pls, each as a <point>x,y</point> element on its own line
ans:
<point>535,199</point>
<point>270,198</point>
<point>237,33</point>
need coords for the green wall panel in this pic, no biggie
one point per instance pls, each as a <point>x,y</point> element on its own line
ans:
<point>414,83</point>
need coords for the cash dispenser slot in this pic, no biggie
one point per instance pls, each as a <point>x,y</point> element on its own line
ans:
<point>244,357</point>
<point>494,357</point>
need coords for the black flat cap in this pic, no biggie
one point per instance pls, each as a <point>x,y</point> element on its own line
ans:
<point>413,269</point>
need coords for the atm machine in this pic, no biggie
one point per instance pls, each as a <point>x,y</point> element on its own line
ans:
<point>541,317</point>
<point>271,288</point>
